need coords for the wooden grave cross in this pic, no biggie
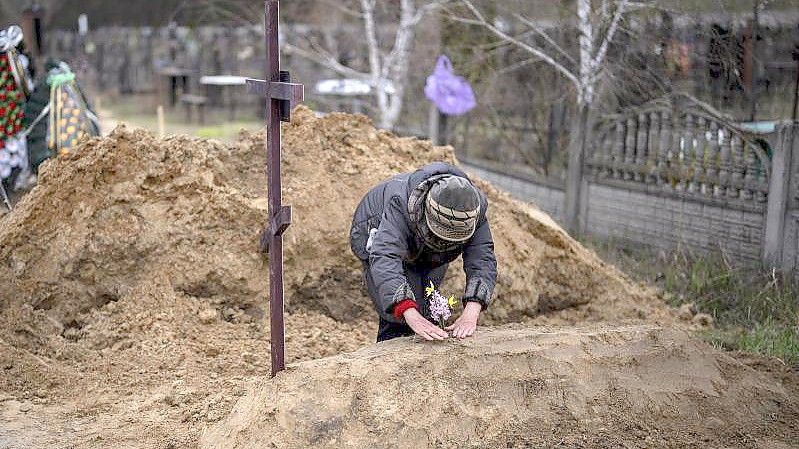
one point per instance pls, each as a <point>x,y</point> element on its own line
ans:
<point>281,96</point>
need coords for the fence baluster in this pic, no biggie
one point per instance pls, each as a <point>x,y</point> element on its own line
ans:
<point>675,152</point>
<point>699,155</point>
<point>687,155</point>
<point>599,158</point>
<point>712,161</point>
<point>762,181</point>
<point>736,168</point>
<point>640,147</point>
<point>750,168</point>
<point>725,165</point>
<point>618,151</point>
<point>653,145</point>
<point>663,148</point>
<point>629,149</point>
<point>609,144</point>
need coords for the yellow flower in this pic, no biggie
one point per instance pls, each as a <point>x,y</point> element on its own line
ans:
<point>452,302</point>
<point>429,290</point>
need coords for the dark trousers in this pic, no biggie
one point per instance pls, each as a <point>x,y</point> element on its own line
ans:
<point>387,330</point>
<point>418,278</point>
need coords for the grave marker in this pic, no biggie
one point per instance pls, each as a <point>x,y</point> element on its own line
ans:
<point>281,96</point>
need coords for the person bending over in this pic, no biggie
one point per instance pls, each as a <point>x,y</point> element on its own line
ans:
<point>406,231</point>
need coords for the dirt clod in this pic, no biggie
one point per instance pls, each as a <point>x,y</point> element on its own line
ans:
<point>207,316</point>
<point>703,319</point>
<point>686,311</point>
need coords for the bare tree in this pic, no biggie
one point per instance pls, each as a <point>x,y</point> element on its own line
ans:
<point>387,66</point>
<point>234,12</point>
<point>596,25</point>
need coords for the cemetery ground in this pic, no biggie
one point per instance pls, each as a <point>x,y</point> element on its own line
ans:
<point>134,315</point>
<point>140,110</point>
<point>752,310</point>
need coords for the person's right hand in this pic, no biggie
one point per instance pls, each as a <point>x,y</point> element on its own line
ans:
<point>423,327</point>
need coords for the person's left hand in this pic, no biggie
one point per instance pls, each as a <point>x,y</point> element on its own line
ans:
<point>466,324</point>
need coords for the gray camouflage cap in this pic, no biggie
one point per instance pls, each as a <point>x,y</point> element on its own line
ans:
<point>451,209</point>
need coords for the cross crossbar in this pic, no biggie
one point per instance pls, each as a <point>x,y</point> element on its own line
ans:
<point>292,92</point>
<point>278,224</point>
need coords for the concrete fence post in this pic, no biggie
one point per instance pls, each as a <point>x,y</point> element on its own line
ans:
<point>785,145</point>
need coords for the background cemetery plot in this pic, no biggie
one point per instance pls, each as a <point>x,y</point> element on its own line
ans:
<point>132,272</point>
<point>145,291</point>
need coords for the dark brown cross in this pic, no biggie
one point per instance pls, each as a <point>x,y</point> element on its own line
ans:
<point>281,96</point>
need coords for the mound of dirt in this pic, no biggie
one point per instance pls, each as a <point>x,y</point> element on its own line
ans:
<point>130,209</point>
<point>331,162</point>
<point>601,388</point>
<point>131,274</point>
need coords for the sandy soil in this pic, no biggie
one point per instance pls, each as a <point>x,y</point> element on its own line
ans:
<point>599,387</point>
<point>132,308</point>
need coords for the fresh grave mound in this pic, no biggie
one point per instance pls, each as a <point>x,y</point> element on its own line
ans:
<point>186,213</point>
<point>637,386</point>
<point>126,210</point>
<point>330,162</point>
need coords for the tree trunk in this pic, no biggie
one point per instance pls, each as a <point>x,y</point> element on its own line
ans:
<point>578,136</point>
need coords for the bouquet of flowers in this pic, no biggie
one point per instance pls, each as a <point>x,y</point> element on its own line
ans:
<point>440,306</point>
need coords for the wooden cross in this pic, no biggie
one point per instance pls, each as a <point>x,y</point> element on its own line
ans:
<point>281,96</point>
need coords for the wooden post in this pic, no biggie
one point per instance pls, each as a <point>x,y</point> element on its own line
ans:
<point>433,123</point>
<point>281,96</point>
<point>33,33</point>
<point>159,111</point>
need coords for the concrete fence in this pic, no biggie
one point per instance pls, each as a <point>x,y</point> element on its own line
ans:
<point>666,179</point>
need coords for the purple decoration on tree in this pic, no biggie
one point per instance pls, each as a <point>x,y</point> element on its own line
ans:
<point>451,93</point>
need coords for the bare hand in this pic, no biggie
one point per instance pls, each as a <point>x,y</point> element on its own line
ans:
<point>466,324</point>
<point>423,327</point>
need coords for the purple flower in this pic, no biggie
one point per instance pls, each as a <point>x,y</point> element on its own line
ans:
<point>440,306</point>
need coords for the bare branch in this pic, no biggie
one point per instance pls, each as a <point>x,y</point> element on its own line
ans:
<point>603,48</point>
<point>383,69</point>
<point>326,61</point>
<point>426,9</point>
<point>518,65</point>
<point>337,4</point>
<point>541,32</point>
<point>481,20</point>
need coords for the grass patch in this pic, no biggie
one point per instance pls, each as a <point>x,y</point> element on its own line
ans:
<point>225,131</point>
<point>140,111</point>
<point>754,310</point>
<point>770,338</point>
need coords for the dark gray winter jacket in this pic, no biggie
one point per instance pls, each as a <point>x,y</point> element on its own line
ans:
<point>393,208</point>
